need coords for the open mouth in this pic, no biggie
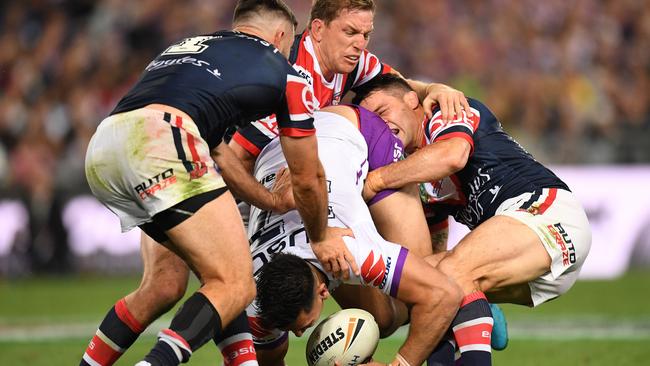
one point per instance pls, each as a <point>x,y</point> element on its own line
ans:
<point>353,59</point>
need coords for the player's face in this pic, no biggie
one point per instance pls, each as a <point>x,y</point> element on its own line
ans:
<point>307,319</point>
<point>344,38</point>
<point>397,114</point>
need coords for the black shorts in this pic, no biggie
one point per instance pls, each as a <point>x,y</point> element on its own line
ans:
<point>178,213</point>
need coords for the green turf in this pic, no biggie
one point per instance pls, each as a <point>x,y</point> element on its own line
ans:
<point>34,302</point>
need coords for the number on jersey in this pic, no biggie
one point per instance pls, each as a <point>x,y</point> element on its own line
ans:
<point>192,45</point>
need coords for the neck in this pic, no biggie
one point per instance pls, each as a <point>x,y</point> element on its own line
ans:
<point>252,30</point>
<point>419,136</point>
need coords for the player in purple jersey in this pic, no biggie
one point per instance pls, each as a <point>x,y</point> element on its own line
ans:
<point>150,163</point>
<point>530,235</point>
<point>351,142</point>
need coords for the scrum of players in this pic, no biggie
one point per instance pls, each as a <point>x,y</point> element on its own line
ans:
<point>347,209</point>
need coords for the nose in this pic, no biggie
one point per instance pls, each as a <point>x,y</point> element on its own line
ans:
<point>360,42</point>
<point>298,333</point>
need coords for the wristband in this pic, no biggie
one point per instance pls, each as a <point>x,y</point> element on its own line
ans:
<point>399,361</point>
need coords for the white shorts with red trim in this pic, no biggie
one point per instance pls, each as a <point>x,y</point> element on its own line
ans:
<point>142,162</point>
<point>561,224</point>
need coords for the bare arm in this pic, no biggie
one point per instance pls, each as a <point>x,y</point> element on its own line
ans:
<point>240,181</point>
<point>308,181</point>
<point>450,100</point>
<point>430,163</point>
<point>247,159</point>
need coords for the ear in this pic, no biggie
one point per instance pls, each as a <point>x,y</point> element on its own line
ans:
<point>322,291</point>
<point>316,30</point>
<point>277,37</point>
<point>411,100</point>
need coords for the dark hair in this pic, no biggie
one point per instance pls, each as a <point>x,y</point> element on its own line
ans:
<point>285,287</point>
<point>247,8</point>
<point>390,83</point>
<point>328,10</point>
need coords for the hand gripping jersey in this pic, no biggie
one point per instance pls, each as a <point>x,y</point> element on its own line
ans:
<point>255,136</point>
<point>347,154</point>
<point>222,80</point>
<point>498,169</point>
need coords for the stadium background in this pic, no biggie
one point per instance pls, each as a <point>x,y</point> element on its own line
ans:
<point>569,79</point>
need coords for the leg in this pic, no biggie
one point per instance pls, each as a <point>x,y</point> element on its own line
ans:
<point>164,281</point>
<point>213,243</point>
<point>500,252</point>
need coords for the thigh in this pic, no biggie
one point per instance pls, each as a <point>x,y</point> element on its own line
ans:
<point>213,243</point>
<point>399,218</point>
<point>389,313</point>
<point>498,253</point>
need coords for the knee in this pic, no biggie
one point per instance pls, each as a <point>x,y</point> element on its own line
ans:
<point>450,294</point>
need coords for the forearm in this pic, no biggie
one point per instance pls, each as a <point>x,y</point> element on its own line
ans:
<point>308,181</point>
<point>240,181</point>
<point>311,201</point>
<point>430,163</point>
<point>422,89</point>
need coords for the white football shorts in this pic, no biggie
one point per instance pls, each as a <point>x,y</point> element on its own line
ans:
<point>142,162</point>
<point>561,224</point>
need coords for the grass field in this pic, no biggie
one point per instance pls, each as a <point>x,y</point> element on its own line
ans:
<point>48,321</point>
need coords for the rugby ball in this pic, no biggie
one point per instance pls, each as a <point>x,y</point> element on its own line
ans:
<point>349,336</point>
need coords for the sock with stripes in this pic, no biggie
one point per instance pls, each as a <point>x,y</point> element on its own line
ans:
<point>195,323</point>
<point>116,334</point>
<point>236,343</point>
<point>444,353</point>
<point>472,328</point>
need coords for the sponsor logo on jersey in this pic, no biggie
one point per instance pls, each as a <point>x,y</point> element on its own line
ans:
<point>156,183</point>
<point>373,272</point>
<point>325,344</point>
<point>563,242</point>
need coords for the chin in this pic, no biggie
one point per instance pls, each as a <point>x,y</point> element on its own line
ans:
<point>346,68</point>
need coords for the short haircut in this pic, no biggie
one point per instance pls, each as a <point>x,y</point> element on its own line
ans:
<point>285,287</point>
<point>247,9</point>
<point>328,10</point>
<point>390,83</point>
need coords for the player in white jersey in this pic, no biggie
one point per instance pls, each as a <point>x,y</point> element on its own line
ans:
<point>347,153</point>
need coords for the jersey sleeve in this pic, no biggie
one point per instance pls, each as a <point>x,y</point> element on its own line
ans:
<point>255,136</point>
<point>368,68</point>
<point>296,117</point>
<point>464,127</point>
<point>387,149</point>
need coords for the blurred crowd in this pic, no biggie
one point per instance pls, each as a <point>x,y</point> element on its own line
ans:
<point>569,79</point>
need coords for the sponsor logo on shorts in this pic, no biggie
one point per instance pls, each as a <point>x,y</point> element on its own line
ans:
<point>198,171</point>
<point>564,242</point>
<point>373,272</point>
<point>155,184</point>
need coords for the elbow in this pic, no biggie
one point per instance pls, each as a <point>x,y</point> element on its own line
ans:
<point>457,155</point>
